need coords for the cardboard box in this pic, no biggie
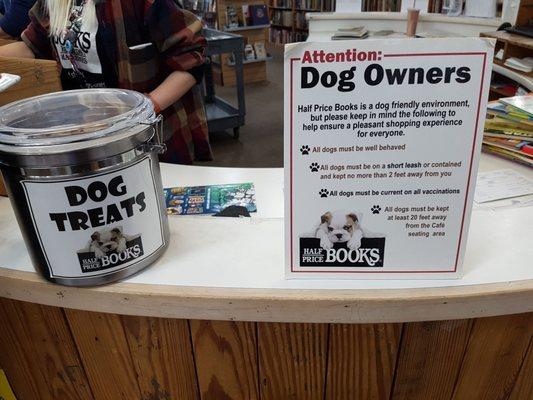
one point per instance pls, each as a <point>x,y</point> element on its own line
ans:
<point>38,77</point>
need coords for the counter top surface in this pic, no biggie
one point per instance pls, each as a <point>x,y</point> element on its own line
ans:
<point>222,268</point>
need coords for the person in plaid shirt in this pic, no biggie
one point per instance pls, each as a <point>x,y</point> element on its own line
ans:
<point>151,46</point>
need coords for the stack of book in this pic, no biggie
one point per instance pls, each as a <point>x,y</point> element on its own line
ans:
<point>509,129</point>
<point>359,32</point>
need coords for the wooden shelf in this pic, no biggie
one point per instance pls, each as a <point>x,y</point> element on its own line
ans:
<point>511,38</point>
<point>224,74</point>
<point>512,45</point>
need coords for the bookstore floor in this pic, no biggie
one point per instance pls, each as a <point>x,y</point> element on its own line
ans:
<point>261,139</point>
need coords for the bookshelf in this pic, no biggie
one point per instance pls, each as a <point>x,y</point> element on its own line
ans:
<point>223,67</point>
<point>287,18</point>
<point>433,6</point>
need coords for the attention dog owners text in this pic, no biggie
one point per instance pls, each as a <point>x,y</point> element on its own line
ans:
<point>97,192</point>
<point>373,74</point>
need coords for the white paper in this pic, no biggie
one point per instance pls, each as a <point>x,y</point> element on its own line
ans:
<point>116,226</point>
<point>501,184</point>
<point>399,197</point>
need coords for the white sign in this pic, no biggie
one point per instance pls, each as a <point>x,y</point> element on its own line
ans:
<point>382,140</point>
<point>97,225</point>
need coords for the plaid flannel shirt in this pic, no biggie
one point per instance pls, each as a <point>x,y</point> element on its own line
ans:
<point>178,46</point>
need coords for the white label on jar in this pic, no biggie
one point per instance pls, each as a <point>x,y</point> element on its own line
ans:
<point>94,226</point>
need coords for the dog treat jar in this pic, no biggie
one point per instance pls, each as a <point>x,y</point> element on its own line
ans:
<point>82,173</point>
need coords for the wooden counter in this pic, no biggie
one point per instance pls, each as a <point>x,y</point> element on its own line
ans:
<point>180,330</point>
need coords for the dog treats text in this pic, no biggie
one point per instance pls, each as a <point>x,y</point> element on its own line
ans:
<point>97,192</point>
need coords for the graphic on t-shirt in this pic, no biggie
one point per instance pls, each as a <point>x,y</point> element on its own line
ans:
<point>83,52</point>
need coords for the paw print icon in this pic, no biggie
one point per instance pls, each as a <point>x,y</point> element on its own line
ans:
<point>305,150</point>
<point>314,167</point>
<point>323,193</point>
<point>375,209</point>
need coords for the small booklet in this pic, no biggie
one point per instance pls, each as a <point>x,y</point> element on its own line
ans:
<point>359,32</point>
<point>520,104</point>
<point>209,199</point>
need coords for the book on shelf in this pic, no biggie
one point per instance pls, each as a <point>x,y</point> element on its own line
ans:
<point>260,50</point>
<point>520,64</point>
<point>422,5</point>
<point>282,18</point>
<point>310,5</point>
<point>282,3</point>
<point>300,22</point>
<point>232,18</point>
<point>206,10</point>
<point>258,14</point>
<point>245,15</point>
<point>282,36</point>
<point>249,53</point>
<point>430,6</point>
<point>384,5</point>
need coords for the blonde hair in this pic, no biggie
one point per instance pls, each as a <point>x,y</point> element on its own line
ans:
<point>59,13</point>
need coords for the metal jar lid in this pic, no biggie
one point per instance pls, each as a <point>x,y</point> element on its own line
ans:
<point>74,126</point>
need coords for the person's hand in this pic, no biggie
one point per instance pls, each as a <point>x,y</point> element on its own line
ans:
<point>157,107</point>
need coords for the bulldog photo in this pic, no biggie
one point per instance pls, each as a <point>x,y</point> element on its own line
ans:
<point>339,227</point>
<point>107,241</point>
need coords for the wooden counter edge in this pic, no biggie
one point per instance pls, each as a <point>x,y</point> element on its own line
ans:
<point>280,305</point>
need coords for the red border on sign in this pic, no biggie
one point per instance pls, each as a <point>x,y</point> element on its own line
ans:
<point>484,54</point>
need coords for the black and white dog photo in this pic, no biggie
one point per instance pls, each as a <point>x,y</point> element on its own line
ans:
<point>339,227</point>
<point>105,241</point>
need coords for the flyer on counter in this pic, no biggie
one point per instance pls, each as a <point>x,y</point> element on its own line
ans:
<point>209,199</point>
<point>382,142</point>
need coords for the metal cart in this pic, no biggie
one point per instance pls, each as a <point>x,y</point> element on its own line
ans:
<point>221,115</point>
